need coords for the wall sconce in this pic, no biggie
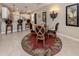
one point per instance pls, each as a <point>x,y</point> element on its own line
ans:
<point>54,13</point>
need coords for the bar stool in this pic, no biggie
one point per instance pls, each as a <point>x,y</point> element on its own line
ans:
<point>20,21</point>
<point>9,24</point>
<point>30,26</point>
<point>26,25</point>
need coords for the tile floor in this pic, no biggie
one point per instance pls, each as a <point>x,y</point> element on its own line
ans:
<point>10,45</point>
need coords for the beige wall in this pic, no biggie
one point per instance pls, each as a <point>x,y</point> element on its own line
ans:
<point>61,18</point>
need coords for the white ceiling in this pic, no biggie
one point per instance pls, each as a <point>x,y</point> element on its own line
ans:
<point>29,7</point>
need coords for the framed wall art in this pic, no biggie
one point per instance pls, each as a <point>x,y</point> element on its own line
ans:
<point>72,15</point>
<point>44,17</point>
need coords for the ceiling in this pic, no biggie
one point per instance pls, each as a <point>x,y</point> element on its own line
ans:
<point>28,7</point>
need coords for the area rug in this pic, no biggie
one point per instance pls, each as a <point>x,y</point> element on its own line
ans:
<point>52,45</point>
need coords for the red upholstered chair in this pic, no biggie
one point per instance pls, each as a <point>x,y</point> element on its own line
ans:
<point>9,24</point>
<point>40,31</point>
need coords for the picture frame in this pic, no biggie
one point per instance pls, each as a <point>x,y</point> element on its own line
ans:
<point>72,15</point>
<point>44,16</point>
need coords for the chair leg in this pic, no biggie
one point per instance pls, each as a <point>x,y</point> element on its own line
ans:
<point>12,29</point>
<point>44,42</point>
<point>36,42</point>
<point>21,28</point>
<point>17,28</point>
<point>25,26</point>
<point>6,29</point>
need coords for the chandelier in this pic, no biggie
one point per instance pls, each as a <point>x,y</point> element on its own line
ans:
<point>14,8</point>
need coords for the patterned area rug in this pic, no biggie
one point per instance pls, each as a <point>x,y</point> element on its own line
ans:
<point>52,47</point>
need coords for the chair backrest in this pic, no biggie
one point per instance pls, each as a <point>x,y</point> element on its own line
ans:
<point>40,30</point>
<point>28,20</point>
<point>56,27</point>
<point>8,22</point>
<point>20,21</point>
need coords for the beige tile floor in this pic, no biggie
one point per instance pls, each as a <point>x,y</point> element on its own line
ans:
<point>10,45</point>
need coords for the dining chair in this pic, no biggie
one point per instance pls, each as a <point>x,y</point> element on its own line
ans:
<point>53,32</point>
<point>40,31</point>
<point>20,21</point>
<point>9,25</point>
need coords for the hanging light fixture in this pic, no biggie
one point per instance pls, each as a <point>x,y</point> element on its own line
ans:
<point>13,8</point>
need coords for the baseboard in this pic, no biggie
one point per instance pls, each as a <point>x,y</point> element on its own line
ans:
<point>10,31</point>
<point>69,37</point>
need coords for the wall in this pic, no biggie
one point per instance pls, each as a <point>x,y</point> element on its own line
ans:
<point>61,18</point>
<point>5,12</point>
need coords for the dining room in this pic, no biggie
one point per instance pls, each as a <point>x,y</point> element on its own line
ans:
<point>39,29</point>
